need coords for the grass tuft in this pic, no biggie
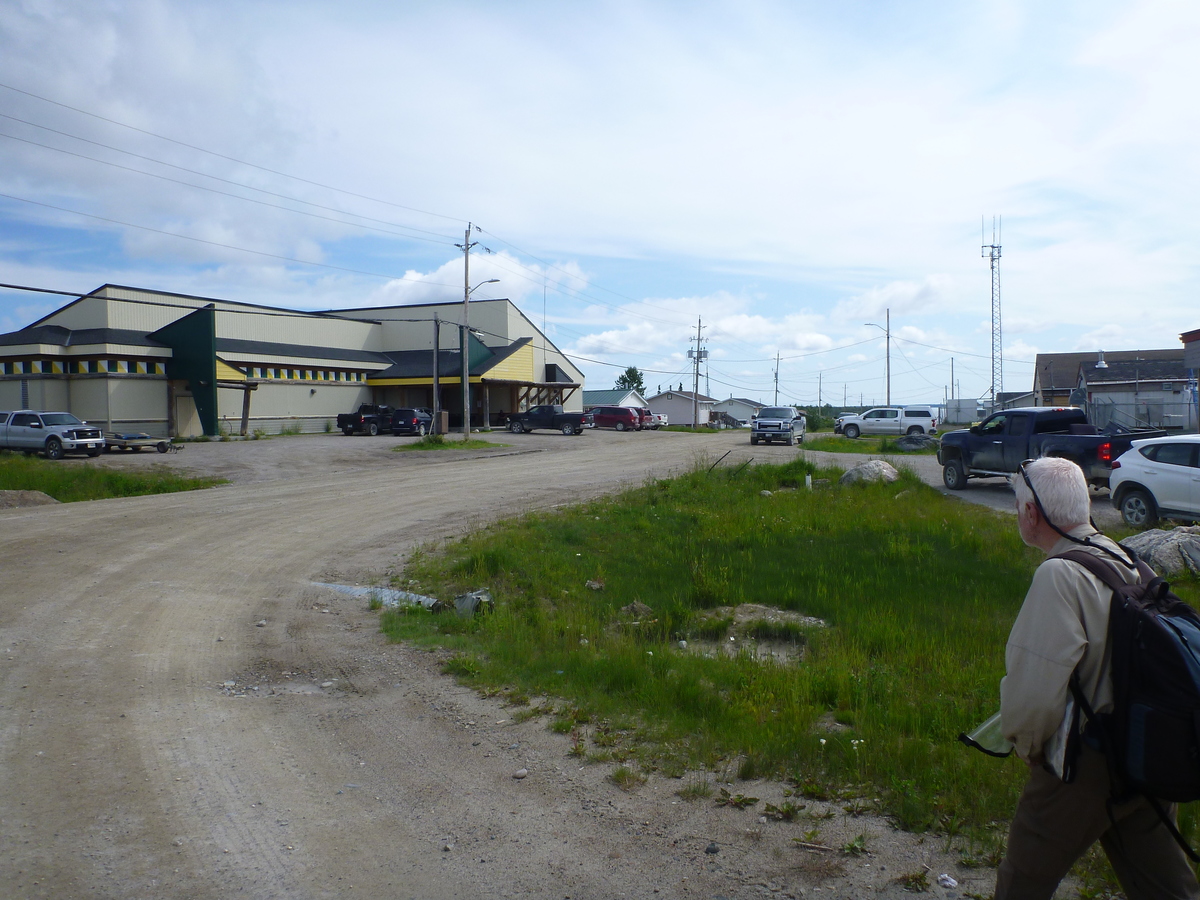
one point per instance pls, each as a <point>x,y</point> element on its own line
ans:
<point>71,480</point>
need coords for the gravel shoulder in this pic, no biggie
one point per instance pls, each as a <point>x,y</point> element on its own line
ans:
<point>187,715</point>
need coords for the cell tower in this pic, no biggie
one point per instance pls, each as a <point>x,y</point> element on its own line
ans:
<point>992,252</point>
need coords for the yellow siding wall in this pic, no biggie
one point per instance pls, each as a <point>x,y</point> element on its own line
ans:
<point>518,367</point>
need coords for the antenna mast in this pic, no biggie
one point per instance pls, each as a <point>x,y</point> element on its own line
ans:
<point>992,252</point>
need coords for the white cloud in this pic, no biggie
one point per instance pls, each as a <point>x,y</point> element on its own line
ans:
<point>931,294</point>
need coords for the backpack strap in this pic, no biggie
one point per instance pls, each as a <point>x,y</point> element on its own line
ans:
<point>1101,569</point>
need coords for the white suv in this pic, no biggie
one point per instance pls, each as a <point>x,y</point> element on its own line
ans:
<point>891,420</point>
<point>1158,478</point>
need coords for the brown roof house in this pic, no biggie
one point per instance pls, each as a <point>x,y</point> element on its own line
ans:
<point>1149,389</point>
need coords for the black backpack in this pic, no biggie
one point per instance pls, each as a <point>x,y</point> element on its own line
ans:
<point>1151,738</point>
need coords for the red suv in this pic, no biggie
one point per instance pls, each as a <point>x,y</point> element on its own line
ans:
<point>622,418</point>
<point>649,420</point>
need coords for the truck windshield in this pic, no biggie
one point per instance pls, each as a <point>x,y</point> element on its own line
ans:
<point>59,419</point>
<point>777,412</point>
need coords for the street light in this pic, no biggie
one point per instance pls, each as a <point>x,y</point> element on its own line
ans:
<point>887,331</point>
<point>466,375</point>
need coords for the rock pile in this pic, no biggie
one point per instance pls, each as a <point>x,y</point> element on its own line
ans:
<point>1168,552</point>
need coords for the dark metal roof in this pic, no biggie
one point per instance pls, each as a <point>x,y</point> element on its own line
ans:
<point>255,349</point>
<point>66,337</point>
<point>1060,371</point>
<point>1131,371</point>
<point>419,363</point>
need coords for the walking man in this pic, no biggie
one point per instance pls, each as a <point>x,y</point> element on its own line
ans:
<point>1063,628</point>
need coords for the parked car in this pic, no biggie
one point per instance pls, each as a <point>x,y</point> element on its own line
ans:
<point>889,420</point>
<point>1157,478</point>
<point>369,419</point>
<point>660,420</point>
<point>778,423</point>
<point>649,420</point>
<point>622,418</point>
<point>412,420</point>
<point>52,433</point>
<point>999,444</point>
<point>552,417</point>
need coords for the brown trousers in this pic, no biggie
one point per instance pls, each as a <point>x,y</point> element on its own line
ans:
<point>1056,823</point>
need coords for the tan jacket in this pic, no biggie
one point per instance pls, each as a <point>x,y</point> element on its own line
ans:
<point>1063,623</point>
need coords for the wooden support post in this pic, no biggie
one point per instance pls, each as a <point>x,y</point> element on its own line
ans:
<point>246,408</point>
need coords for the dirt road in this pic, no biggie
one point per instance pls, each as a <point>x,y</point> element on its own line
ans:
<point>186,715</point>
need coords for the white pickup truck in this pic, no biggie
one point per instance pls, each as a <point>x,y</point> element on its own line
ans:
<point>53,433</point>
<point>889,420</point>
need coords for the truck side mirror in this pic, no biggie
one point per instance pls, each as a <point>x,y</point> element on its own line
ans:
<point>974,429</point>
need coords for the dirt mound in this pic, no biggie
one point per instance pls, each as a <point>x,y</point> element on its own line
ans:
<point>14,499</point>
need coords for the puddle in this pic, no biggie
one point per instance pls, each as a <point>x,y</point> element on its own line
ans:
<point>387,596</point>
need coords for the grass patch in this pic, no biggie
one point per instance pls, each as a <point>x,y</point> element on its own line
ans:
<point>836,443</point>
<point>67,482</point>
<point>919,594</point>
<point>439,442</point>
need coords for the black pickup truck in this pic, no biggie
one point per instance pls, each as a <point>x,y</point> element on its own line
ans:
<point>1000,443</point>
<point>370,419</point>
<point>548,417</point>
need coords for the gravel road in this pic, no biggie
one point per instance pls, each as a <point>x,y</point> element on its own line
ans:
<point>186,715</point>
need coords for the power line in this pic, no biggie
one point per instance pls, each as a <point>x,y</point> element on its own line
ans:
<point>185,237</point>
<point>240,162</point>
<point>200,187</point>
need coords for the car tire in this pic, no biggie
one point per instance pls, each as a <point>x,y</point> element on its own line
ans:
<point>422,431</point>
<point>1138,509</point>
<point>567,428</point>
<point>347,430</point>
<point>93,453</point>
<point>954,476</point>
<point>915,429</point>
<point>54,448</point>
<point>372,429</point>
<point>620,426</point>
<point>516,427</point>
<point>851,431</point>
<point>791,441</point>
<point>162,446</point>
<point>753,439</point>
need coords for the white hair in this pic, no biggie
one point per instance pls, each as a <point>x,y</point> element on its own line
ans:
<point>1060,486</point>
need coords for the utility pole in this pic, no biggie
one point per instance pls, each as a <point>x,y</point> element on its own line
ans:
<point>697,355</point>
<point>888,334</point>
<point>992,252</point>
<point>952,378</point>
<point>437,344</point>
<point>466,246</point>
<point>820,377</point>
<point>776,377</point>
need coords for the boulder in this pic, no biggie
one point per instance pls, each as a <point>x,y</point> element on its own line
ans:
<point>1168,552</point>
<point>870,471</point>
<point>637,609</point>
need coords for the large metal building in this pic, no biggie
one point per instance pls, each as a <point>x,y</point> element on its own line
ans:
<point>139,360</point>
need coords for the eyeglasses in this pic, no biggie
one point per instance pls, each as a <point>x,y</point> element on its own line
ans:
<point>1036,499</point>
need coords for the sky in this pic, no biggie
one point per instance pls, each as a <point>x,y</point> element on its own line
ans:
<point>797,178</point>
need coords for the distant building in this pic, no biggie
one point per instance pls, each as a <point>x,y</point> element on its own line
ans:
<point>739,407</point>
<point>132,359</point>
<point>679,406</point>
<point>616,397</point>
<point>1056,375</point>
<point>1147,392</point>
